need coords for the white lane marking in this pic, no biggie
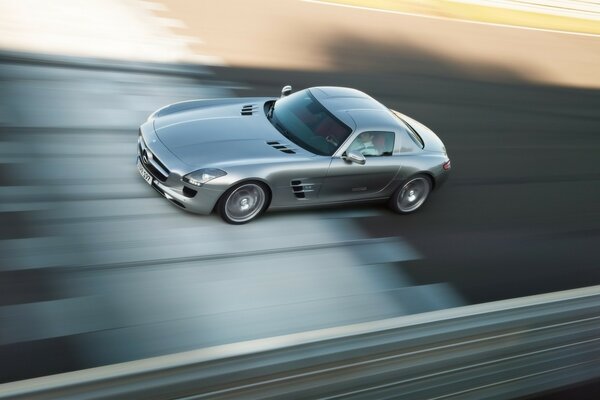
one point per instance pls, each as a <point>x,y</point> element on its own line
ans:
<point>562,8</point>
<point>410,14</point>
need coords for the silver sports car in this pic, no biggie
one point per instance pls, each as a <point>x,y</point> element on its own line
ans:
<point>318,146</point>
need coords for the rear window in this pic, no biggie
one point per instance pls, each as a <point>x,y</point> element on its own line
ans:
<point>412,133</point>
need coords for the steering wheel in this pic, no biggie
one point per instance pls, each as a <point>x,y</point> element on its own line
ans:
<point>331,140</point>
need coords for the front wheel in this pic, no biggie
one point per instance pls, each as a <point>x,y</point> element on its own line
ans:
<point>242,203</point>
<point>411,195</point>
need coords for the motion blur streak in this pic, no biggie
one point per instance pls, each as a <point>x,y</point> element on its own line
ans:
<point>502,349</point>
<point>96,269</point>
<point>405,44</point>
<point>123,29</point>
<point>96,266</point>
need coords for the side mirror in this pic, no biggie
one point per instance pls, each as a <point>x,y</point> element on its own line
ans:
<point>287,89</point>
<point>355,157</point>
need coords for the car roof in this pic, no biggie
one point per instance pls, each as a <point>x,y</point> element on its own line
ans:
<point>355,108</point>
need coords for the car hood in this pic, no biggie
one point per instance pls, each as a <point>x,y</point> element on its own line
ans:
<point>219,135</point>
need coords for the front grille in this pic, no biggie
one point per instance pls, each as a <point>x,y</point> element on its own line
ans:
<point>154,171</point>
<point>160,164</point>
<point>156,167</point>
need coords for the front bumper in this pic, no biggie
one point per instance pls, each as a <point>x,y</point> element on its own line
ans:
<point>165,178</point>
<point>202,202</point>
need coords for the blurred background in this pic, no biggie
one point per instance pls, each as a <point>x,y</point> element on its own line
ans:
<point>96,268</point>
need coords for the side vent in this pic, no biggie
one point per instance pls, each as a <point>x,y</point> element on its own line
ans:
<point>249,109</point>
<point>281,147</point>
<point>300,189</point>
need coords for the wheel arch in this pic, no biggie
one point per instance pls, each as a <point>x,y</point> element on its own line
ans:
<point>428,174</point>
<point>431,178</point>
<point>248,180</point>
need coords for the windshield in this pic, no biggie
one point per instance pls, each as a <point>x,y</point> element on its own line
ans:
<point>304,121</point>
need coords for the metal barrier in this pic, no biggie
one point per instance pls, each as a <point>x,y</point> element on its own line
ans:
<point>496,350</point>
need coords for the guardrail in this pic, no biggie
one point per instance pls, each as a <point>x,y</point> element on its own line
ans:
<point>497,350</point>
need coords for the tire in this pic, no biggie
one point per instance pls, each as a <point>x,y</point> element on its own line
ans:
<point>243,202</point>
<point>411,195</point>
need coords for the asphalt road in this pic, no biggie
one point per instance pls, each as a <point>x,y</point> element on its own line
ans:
<point>521,212</point>
<point>95,268</point>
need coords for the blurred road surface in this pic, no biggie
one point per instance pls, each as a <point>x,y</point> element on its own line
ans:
<point>293,34</point>
<point>96,268</point>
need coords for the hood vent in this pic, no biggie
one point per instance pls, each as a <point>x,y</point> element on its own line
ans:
<point>281,147</point>
<point>249,109</point>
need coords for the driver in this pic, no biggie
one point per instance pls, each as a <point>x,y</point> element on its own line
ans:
<point>364,145</point>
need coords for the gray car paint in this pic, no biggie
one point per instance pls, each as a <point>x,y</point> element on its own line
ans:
<point>213,133</point>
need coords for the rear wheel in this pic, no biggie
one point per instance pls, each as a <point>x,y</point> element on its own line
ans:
<point>411,195</point>
<point>243,203</point>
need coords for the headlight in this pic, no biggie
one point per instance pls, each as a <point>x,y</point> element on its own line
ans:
<point>200,177</point>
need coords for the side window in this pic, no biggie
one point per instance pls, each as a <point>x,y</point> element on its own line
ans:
<point>374,144</point>
<point>407,141</point>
